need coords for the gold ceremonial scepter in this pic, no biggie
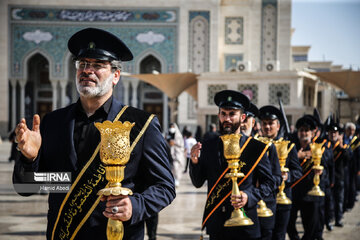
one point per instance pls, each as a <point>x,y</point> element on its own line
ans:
<point>282,152</point>
<point>316,154</point>
<point>114,154</point>
<point>232,154</point>
<point>263,210</point>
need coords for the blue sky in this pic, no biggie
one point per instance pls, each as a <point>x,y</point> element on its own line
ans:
<point>331,27</point>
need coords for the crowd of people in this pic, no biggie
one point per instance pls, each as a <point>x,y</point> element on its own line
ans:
<point>68,141</point>
<point>320,207</point>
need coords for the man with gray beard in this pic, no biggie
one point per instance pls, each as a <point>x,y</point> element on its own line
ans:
<point>68,141</point>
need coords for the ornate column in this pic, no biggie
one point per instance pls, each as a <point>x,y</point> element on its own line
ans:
<point>134,84</point>
<point>63,93</point>
<point>22,84</point>
<point>126,85</point>
<point>54,93</point>
<point>13,102</point>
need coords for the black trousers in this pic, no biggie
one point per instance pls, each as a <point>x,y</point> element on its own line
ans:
<point>338,193</point>
<point>281,222</point>
<point>151,226</point>
<point>310,217</point>
<point>322,209</point>
<point>291,228</point>
<point>329,205</point>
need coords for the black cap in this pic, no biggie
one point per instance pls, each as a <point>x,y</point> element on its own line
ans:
<point>98,44</point>
<point>305,121</point>
<point>314,119</point>
<point>229,99</point>
<point>270,112</point>
<point>252,111</point>
<point>332,125</point>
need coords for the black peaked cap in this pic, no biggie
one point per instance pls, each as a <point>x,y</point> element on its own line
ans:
<point>306,122</point>
<point>314,119</point>
<point>98,44</point>
<point>270,112</point>
<point>252,111</point>
<point>230,99</point>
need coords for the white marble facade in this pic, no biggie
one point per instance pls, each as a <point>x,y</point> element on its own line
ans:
<point>212,37</point>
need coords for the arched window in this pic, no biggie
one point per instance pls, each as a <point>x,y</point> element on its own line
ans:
<point>150,64</point>
<point>38,90</point>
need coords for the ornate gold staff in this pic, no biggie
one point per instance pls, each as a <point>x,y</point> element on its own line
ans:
<point>263,210</point>
<point>232,154</point>
<point>114,154</point>
<point>316,154</point>
<point>282,152</point>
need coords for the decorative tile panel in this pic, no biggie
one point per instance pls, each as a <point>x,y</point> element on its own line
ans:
<point>231,61</point>
<point>204,14</point>
<point>250,90</point>
<point>269,31</point>
<point>277,91</point>
<point>234,30</point>
<point>93,15</point>
<point>199,42</point>
<point>212,90</point>
<point>50,39</point>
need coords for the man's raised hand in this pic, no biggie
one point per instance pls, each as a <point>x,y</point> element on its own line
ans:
<point>29,141</point>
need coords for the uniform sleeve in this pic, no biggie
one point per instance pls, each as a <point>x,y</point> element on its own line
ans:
<point>275,166</point>
<point>159,190</point>
<point>329,161</point>
<point>198,171</point>
<point>263,176</point>
<point>295,170</point>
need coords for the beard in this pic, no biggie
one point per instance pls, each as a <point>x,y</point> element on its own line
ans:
<point>246,131</point>
<point>100,88</point>
<point>230,128</point>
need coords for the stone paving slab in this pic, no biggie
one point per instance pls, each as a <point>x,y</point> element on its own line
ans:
<point>24,218</point>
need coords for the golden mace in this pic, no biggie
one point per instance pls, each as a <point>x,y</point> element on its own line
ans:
<point>114,154</point>
<point>232,154</point>
<point>282,152</point>
<point>263,210</point>
<point>316,154</point>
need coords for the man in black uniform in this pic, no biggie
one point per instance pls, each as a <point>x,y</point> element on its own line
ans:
<point>271,119</point>
<point>211,166</point>
<point>67,141</point>
<point>341,160</point>
<point>309,206</point>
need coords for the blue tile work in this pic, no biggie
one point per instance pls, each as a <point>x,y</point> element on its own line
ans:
<point>193,14</point>
<point>92,15</point>
<point>239,30</point>
<point>54,37</point>
<point>231,60</point>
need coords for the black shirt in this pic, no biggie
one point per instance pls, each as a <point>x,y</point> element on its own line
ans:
<point>86,135</point>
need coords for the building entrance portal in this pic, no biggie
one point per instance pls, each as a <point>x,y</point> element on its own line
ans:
<point>38,92</point>
<point>151,98</point>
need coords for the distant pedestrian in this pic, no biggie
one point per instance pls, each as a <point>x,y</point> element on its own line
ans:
<point>177,152</point>
<point>189,143</point>
<point>198,134</point>
<point>212,133</point>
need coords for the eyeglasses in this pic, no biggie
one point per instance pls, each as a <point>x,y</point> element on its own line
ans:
<point>81,65</point>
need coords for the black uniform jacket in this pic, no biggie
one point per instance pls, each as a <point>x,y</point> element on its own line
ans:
<point>147,173</point>
<point>270,200</point>
<point>209,168</point>
<point>341,160</point>
<point>300,190</point>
